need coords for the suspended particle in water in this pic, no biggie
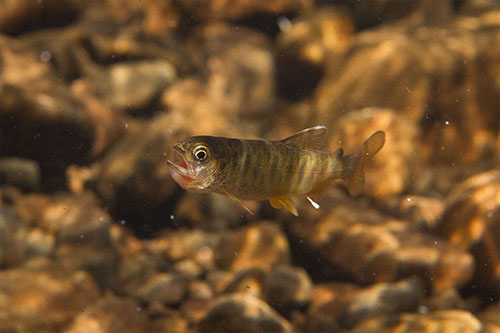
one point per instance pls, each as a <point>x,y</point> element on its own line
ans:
<point>45,56</point>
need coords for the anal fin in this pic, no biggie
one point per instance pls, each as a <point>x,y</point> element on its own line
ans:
<point>284,202</point>
<point>275,203</point>
<point>239,202</point>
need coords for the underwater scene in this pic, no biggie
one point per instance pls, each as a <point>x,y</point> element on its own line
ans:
<point>249,166</point>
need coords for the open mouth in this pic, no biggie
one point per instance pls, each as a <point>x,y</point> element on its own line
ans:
<point>180,171</point>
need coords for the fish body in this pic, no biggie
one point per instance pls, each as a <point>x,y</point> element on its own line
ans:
<point>270,170</point>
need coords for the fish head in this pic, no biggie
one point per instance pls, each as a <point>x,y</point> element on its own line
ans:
<point>195,165</point>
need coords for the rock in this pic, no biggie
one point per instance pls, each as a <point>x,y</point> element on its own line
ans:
<point>166,288</point>
<point>134,174</point>
<point>303,46</point>
<point>132,86</point>
<point>82,232</point>
<point>43,297</point>
<point>328,301</point>
<point>64,125</point>
<point>240,9</point>
<point>390,172</point>
<point>239,68</point>
<point>170,321</point>
<point>394,60</point>
<point>111,314</point>
<point>440,321</point>
<point>18,17</point>
<point>260,245</point>
<point>448,299</point>
<point>287,288</point>
<point>249,280</point>
<point>345,305</point>
<point>198,301</point>
<point>242,313</point>
<point>490,319</point>
<point>194,245</point>
<point>138,263</point>
<point>21,173</point>
<point>12,238</point>
<point>370,247</point>
<point>423,211</point>
<point>382,299</point>
<point>471,220</point>
<point>40,244</point>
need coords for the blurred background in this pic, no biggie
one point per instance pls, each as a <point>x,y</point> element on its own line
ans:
<point>96,237</point>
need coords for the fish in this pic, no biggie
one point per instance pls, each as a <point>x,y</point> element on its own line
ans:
<point>278,171</point>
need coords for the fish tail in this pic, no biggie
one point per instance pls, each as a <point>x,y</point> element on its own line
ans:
<point>354,164</point>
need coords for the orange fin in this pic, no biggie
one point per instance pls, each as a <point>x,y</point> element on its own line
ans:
<point>354,164</point>
<point>284,202</point>
<point>239,202</point>
<point>309,138</point>
<point>275,203</point>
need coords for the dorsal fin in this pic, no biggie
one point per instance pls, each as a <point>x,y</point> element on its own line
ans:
<point>310,138</point>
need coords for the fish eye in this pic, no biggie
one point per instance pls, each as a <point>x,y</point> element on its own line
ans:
<point>200,153</point>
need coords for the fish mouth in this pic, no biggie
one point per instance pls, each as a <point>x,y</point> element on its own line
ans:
<point>180,170</point>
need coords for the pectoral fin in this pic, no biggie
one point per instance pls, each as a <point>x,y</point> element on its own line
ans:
<point>239,202</point>
<point>284,202</point>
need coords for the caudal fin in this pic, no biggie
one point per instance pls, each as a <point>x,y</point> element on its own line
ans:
<point>354,164</point>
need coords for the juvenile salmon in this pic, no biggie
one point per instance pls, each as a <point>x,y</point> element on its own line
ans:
<point>276,171</point>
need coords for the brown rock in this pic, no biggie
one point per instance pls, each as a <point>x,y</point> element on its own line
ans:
<point>382,299</point>
<point>490,318</point>
<point>17,17</point>
<point>303,46</point>
<point>43,297</point>
<point>260,245</point>
<point>239,68</point>
<point>111,314</point>
<point>170,321</point>
<point>287,288</point>
<point>433,74</point>
<point>82,232</point>
<point>249,280</point>
<point>133,86</point>
<point>440,321</point>
<point>233,10</point>
<point>472,221</point>
<point>134,176</point>
<point>166,288</point>
<point>328,300</point>
<point>242,313</point>
<point>371,247</point>
<point>390,171</point>
<point>42,118</point>
<point>197,302</point>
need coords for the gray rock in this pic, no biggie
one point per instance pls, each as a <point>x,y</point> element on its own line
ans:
<point>12,237</point>
<point>21,173</point>
<point>383,299</point>
<point>287,288</point>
